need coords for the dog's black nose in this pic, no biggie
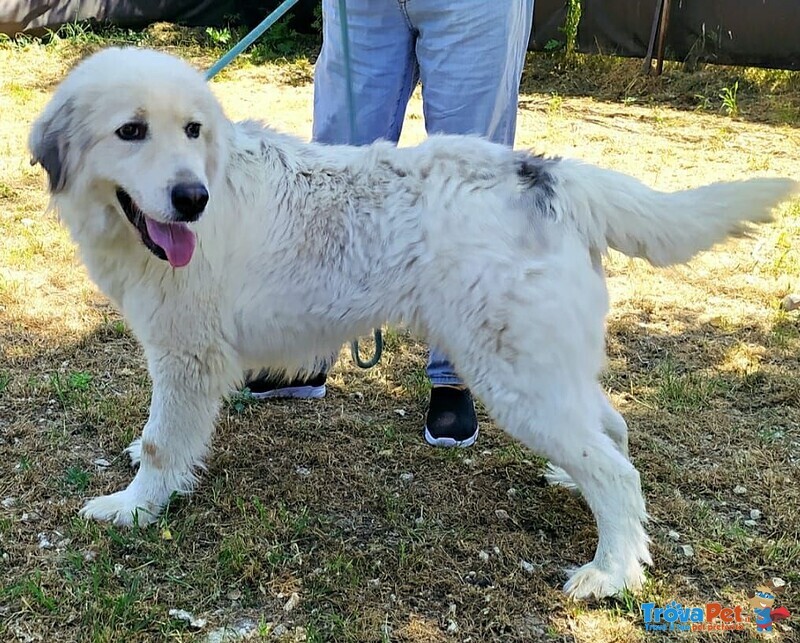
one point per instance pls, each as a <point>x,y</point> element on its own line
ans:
<point>189,199</point>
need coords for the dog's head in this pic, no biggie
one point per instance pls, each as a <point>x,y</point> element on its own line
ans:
<point>133,138</point>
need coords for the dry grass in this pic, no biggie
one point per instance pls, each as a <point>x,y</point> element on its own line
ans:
<point>308,497</point>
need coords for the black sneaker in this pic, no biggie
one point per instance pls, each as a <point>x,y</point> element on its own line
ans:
<point>451,420</point>
<point>267,386</point>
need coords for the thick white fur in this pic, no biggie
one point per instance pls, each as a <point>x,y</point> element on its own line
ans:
<point>491,254</point>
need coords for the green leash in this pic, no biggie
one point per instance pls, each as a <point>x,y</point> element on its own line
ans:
<point>351,109</point>
<point>249,39</point>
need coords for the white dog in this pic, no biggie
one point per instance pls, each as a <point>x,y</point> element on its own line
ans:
<point>229,246</point>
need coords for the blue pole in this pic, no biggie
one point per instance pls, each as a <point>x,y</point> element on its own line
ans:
<point>250,38</point>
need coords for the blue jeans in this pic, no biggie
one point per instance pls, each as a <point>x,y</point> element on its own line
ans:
<point>468,54</point>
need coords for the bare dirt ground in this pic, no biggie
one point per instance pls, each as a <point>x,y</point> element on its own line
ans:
<point>340,501</point>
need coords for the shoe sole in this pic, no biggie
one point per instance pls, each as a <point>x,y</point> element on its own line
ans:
<point>450,443</point>
<point>294,392</point>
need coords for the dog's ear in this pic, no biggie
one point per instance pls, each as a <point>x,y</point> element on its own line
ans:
<point>49,142</point>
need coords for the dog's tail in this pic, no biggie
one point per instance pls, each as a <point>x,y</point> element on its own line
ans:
<point>616,210</point>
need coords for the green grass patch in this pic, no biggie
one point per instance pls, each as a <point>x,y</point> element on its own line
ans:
<point>675,389</point>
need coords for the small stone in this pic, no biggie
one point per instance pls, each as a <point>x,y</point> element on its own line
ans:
<point>191,619</point>
<point>790,302</point>
<point>89,555</point>
<point>101,462</point>
<point>527,566</point>
<point>687,550</point>
<point>739,490</point>
<point>496,551</point>
<point>501,514</point>
<point>484,556</point>
<point>452,627</point>
<point>234,594</point>
<point>9,502</point>
<point>406,477</point>
<point>294,601</point>
<point>469,461</point>
<point>755,514</point>
<point>511,493</point>
<point>674,535</point>
<point>303,471</point>
<point>279,630</point>
<point>400,412</point>
<point>750,523</point>
<point>44,542</point>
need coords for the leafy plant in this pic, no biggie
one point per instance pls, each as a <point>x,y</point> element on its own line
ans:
<point>553,45</point>
<point>570,28</point>
<point>730,103</point>
<point>218,37</point>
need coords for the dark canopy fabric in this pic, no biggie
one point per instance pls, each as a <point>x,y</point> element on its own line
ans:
<point>18,16</point>
<point>31,16</point>
<point>741,32</point>
<point>762,33</point>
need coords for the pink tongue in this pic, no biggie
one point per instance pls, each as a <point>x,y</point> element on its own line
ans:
<point>175,238</point>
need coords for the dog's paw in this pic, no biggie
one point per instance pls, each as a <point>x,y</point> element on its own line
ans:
<point>590,581</point>
<point>121,508</point>
<point>134,452</point>
<point>557,477</point>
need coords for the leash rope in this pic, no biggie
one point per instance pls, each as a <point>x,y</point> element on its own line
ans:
<point>248,40</point>
<point>351,112</point>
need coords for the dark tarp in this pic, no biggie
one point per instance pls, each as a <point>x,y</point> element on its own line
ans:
<point>35,16</point>
<point>741,32</point>
<point>762,33</point>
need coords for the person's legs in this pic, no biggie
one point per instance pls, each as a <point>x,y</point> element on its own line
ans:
<point>384,74</point>
<point>470,56</point>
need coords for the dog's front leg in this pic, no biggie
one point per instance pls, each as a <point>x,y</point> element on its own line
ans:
<point>172,447</point>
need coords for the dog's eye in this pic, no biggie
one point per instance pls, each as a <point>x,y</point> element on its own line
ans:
<point>192,130</point>
<point>132,131</point>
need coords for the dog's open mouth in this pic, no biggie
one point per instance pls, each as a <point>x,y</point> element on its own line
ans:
<point>173,242</point>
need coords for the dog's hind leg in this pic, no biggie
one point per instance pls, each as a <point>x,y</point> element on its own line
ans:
<point>186,394</point>
<point>614,426</point>
<point>562,421</point>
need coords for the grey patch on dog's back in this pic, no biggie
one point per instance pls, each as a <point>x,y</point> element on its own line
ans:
<point>534,170</point>
<point>538,183</point>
